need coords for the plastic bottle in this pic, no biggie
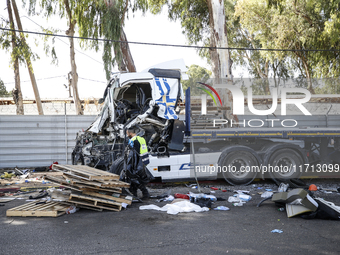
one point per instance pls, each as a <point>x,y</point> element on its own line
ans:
<point>283,187</point>
<point>244,197</point>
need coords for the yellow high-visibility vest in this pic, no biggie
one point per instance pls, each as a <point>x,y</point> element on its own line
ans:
<point>143,150</point>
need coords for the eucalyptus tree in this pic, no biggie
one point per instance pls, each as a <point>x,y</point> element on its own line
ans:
<point>296,25</point>
<point>20,53</point>
<point>203,21</point>
<point>106,19</point>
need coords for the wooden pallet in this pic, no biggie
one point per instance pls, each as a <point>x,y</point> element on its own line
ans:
<point>121,199</point>
<point>98,189</point>
<point>79,185</point>
<point>98,183</point>
<point>48,209</point>
<point>85,172</point>
<point>62,181</point>
<point>94,202</point>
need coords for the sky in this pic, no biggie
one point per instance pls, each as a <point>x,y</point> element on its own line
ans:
<point>51,79</point>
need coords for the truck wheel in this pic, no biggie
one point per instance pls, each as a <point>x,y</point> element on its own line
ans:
<point>117,166</point>
<point>236,167</point>
<point>284,164</point>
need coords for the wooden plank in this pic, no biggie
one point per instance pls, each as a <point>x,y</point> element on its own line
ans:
<point>95,199</point>
<point>115,184</point>
<point>96,189</point>
<point>92,207</point>
<point>82,171</point>
<point>86,169</point>
<point>37,174</point>
<point>96,173</point>
<point>74,180</point>
<point>117,199</point>
<point>48,209</point>
<point>95,202</point>
<point>61,180</point>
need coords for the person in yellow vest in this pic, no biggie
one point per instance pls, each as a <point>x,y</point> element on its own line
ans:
<point>137,157</point>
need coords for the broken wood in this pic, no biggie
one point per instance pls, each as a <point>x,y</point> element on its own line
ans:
<point>48,209</point>
<point>94,202</point>
<point>85,172</point>
<point>98,189</point>
<point>120,199</point>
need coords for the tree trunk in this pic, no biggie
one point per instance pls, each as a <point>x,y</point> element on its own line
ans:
<point>17,95</point>
<point>266,83</point>
<point>220,59</point>
<point>304,61</point>
<point>309,78</point>
<point>70,32</point>
<point>28,61</point>
<point>123,54</point>
<point>126,53</point>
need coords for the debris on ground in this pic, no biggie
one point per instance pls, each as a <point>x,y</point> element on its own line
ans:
<point>70,185</point>
<point>283,187</point>
<point>39,209</point>
<point>177,207</point>
<point>19,178</point>
<point>300,202</point>
<point>277,231</point>
<point>90,188</point>
<point>313,187</point>
<point>267,194</point>
<point>221,208</point>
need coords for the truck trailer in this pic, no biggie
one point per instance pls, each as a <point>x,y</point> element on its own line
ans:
<point>180,150</point>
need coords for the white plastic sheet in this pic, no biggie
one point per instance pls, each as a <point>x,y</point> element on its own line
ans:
<point>175,208</point>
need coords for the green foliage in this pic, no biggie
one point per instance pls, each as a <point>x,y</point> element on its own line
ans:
<point>21,50</point>
<point>3,91</point>
<point>328,86</point>
<point>97,20</point>
<point>196,74</point>
<point>101,19</point>
<point>193,15</point>
<point>297,24</point>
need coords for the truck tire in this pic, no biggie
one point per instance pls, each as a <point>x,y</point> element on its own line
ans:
<point>117,166</point>
<point>236,159</point>
<point>284,165</point>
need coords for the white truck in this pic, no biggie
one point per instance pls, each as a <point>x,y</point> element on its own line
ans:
<point>151,101</point>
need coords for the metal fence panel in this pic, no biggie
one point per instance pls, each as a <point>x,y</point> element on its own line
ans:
<point>33,140</point>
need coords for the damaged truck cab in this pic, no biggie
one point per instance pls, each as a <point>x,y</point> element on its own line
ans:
<point>149,101</point>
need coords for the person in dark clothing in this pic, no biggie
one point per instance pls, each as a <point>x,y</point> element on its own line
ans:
<point>137,157</point>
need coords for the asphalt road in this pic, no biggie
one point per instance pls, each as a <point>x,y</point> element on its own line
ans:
<point>242,230</point>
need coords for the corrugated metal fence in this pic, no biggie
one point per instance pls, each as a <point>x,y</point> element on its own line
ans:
<point>33,140</point>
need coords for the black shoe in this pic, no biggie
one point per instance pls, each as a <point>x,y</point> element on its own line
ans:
<point>146,195</point>
<point>133,191</point>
